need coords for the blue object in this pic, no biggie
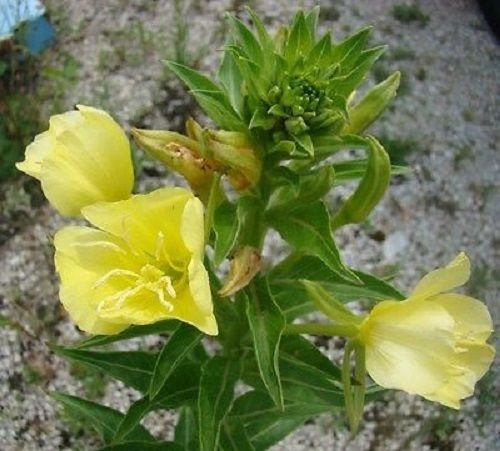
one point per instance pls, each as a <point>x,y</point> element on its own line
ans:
<point>26,15</point>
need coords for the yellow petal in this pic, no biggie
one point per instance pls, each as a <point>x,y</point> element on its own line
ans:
<point>35,154</point>
<point>82,256</point>
<point>443,279</point>
<point>470,363</point>
<point>192,227</point>
<point>199,286</point>
<point>408,345</point>
<point>148,222</point>
<point>473,321</point>
<point>83,158</point>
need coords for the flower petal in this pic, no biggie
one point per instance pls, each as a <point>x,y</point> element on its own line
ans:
<point>192,227</point>
<point>473,320</point>
<point>141,219</point>
<point>444,279</point>
<point>35,154</point>
<point>470,363</point>
<point>408,345</point>
<point>199,286</point>
<point>82,256</point>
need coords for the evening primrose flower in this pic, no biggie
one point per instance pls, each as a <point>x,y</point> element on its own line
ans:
<point>434,343</point>
<point>84,157</point>
<point>142,264</point>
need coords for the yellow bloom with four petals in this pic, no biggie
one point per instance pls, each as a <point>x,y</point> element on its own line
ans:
<point>84,157</point>
<point>434,343</point>
<point>143,263</point>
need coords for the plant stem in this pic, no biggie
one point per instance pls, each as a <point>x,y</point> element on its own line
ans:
<point>360,376</point>
<point>346,380</point>
<point>332,330</point>
<point>211,205</point>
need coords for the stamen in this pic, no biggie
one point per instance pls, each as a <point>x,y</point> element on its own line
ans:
<point>114,273</point>
<point>105,244</point>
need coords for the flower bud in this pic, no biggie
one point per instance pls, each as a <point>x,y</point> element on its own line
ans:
<point>86,148</point>
<point>245,265</point>
<point>180,154</point>
<point>363,114</point>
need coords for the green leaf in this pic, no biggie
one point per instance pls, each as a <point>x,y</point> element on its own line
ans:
<point>227,223</point>
<point>246,39</point>
<point>210,97</point>
<point>173,353</point>
<point>137,445</point>
<point>300,40</point>
<point>234,436</point>
<point>265,423</point>
<point>347,51</point>
<point>132,418</point>
<point>219,376</point>
<point>345,84</point>
<point>302,381</point>
<point>103,419</point>
<point>306,352</point>
<point>231,79</point>
<point>307,229</point>
<point>309,187</point>
<point>181,387</point>
<point>186,430</point>
<point>134,368</point>
<point>266,324</point>
<point>166,326</point>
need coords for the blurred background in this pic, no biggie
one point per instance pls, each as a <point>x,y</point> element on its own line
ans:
<point>443,124</point>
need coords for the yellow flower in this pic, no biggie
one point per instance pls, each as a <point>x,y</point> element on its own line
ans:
<point>84,157</point>
<point>143,264</point>
<point>434,343</point>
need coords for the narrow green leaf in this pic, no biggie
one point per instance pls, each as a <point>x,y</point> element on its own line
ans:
<point>231,79</point>
<point>161,327</point>
<point>265,423</point>
<point>266,324</point>
<point>132,418</point>
<point>143,446</point>
<point>134,368</point>
<point>173,353</point>
<point>103,419</point>
<point>246,39</point>
<point>210,96</point>
<point>307,229</point>
<point>186,430</point>
<point>219,376</point>
<point>234,436</point>
<point>312,268</point>
<point>181,387</point>
<point>348,50</point>
<point>306,352</point>
<point>227,223</point>
<point>300,40</point>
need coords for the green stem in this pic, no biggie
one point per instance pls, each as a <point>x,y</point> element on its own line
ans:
<point>211,205</point>
<point>346,380</point>
<point>332,330</point>
<point>359,390</point>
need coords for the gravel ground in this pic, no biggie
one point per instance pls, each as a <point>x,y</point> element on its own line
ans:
<point>446,115</point>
